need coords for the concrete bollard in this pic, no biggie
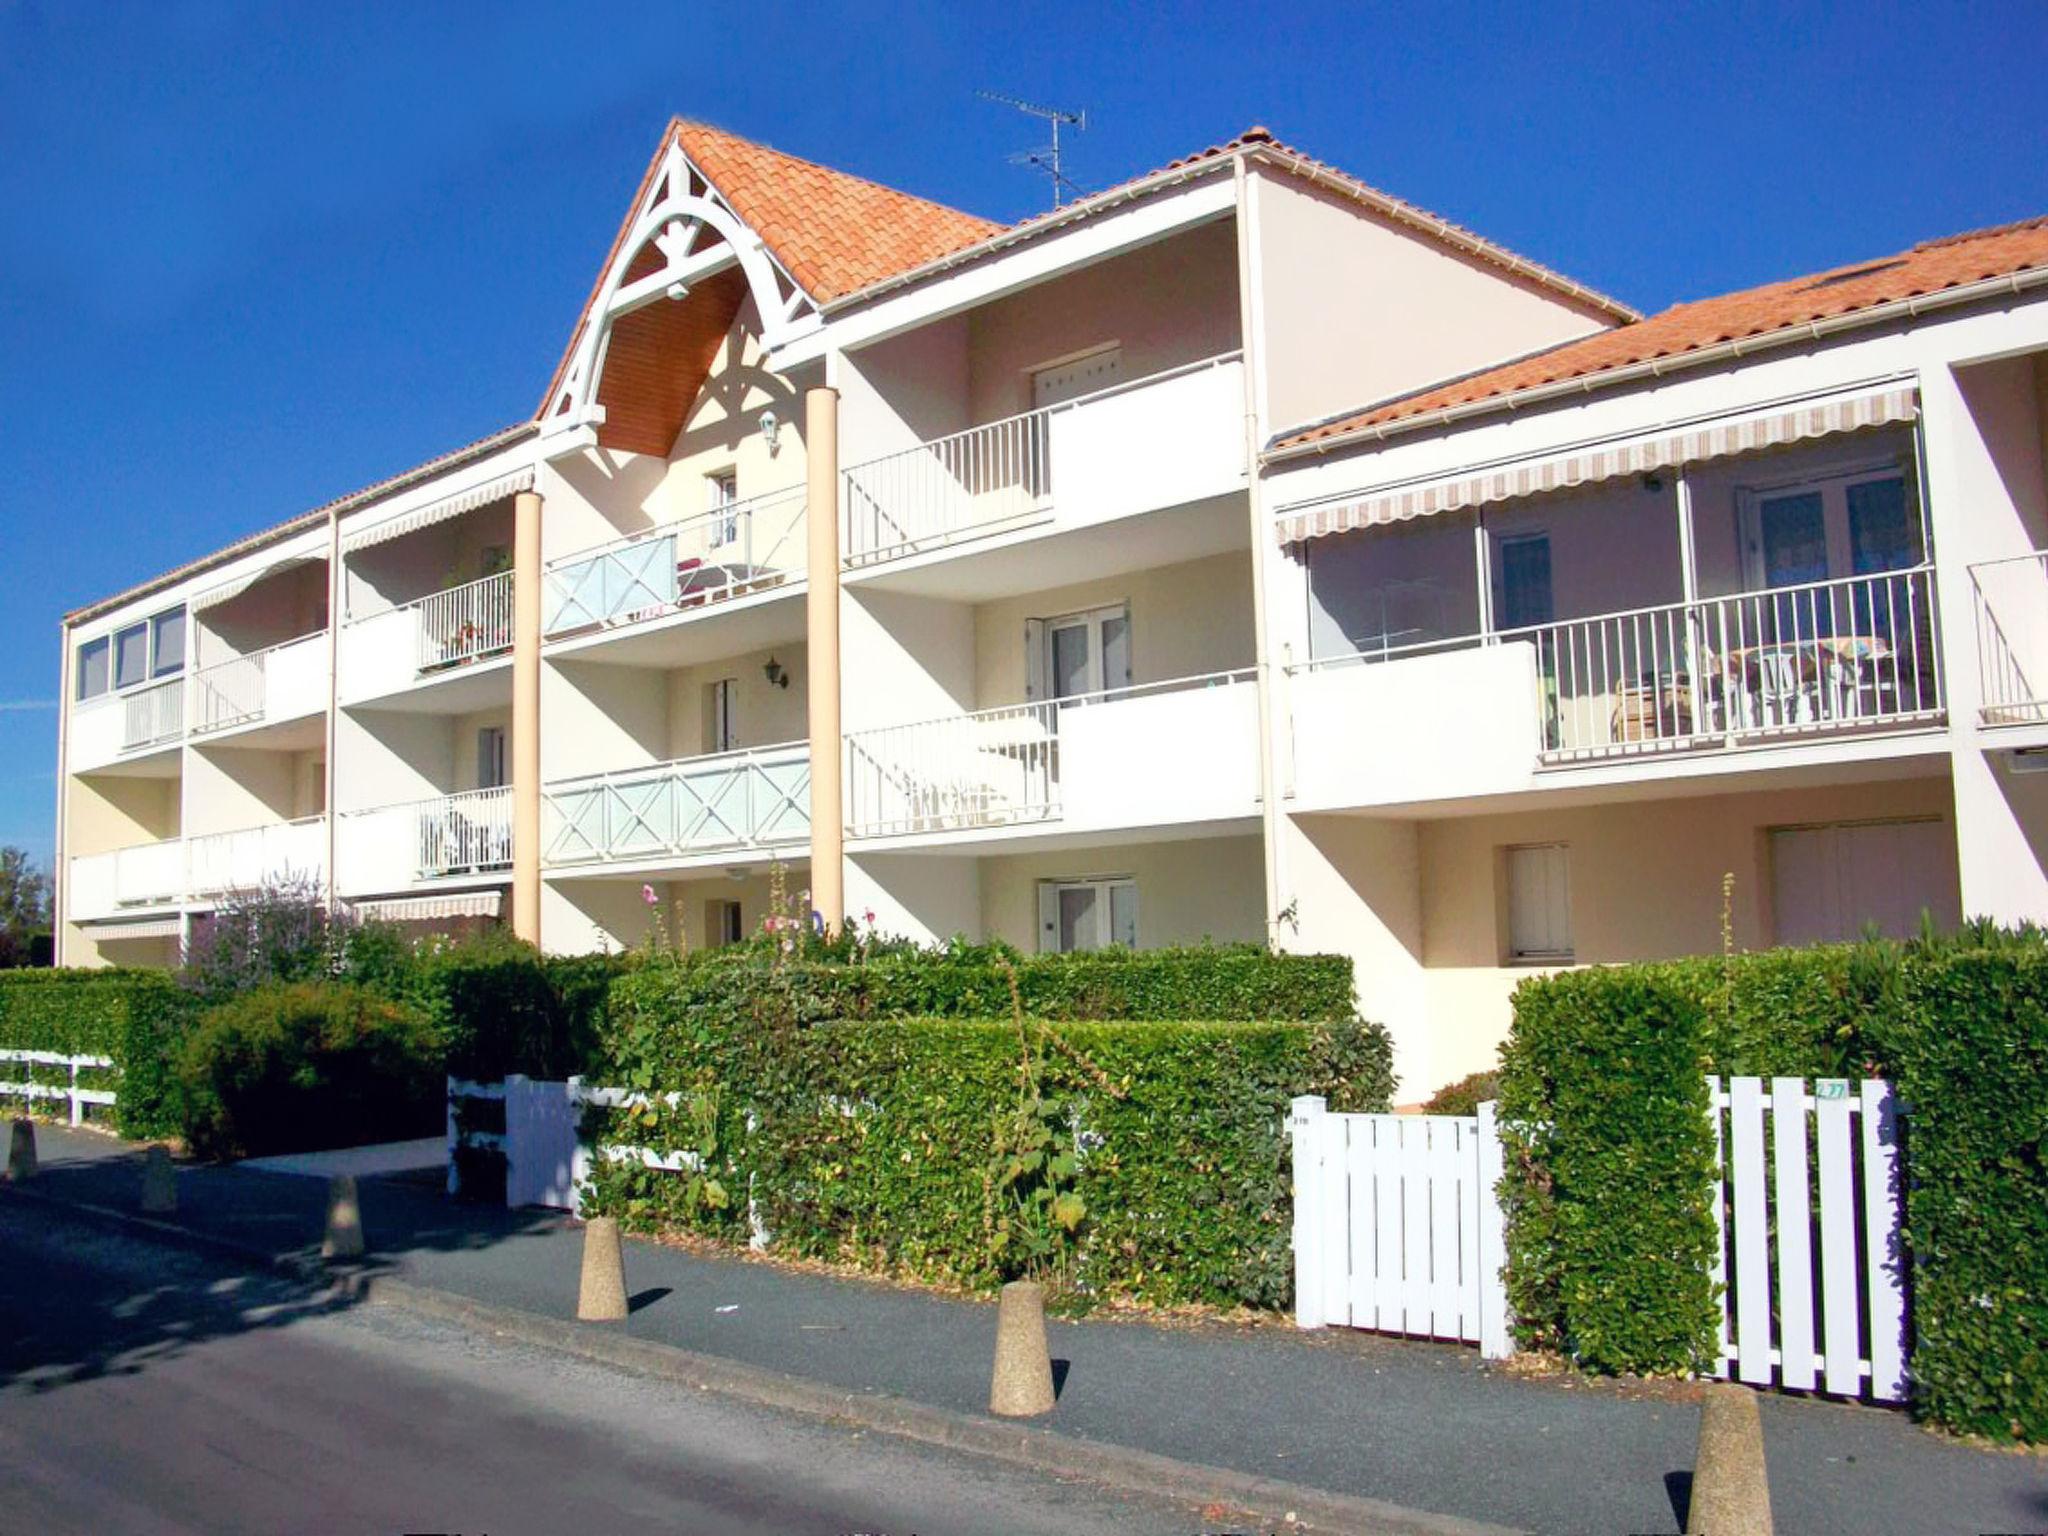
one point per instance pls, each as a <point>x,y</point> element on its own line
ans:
<point>1022,1385</point>
<point>1731,1493</point>
<point>344,1239</point>
<point>602,1295</point>
<point>159,1181</point>
<point>21,1150</point>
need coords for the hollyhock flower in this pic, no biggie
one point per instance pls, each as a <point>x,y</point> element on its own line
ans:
<point>647,894</point>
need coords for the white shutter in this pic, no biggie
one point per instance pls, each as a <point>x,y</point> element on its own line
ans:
<point>1539,903</point>
<point>1048,916</point>
<point>1034,659</point>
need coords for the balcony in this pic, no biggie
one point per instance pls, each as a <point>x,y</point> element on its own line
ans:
<point>750,546</point>
<point>221,862</point>
<point>1155,442</point>
<point>2011,598</point>
<point>439,637</point>
<point>1171,752</point>
<point>759,797</point>
<point>1795,662</point>
<point>107,885</point>
<point>284,682</point>
<point>154,715</point>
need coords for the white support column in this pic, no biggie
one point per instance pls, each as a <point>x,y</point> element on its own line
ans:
<point>1482,555</point>
<point>1688,552</point>
<point>828,748</point>
<point>526,595</point>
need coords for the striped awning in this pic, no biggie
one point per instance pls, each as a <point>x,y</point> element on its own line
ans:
<point>419,909</point>
<point>147,928</point>
<point>1717,439</point>
<point>227,589</point>
<point>426,515</point>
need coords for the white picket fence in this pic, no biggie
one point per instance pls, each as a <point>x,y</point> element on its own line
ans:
<point>546,1160</point>
<point>1396,1226</point>
<point>1840,1327</point>
<point>77,1098</point>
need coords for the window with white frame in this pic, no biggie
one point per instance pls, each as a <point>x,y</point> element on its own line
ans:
<point>723,923</point>
<point>721,715</point>
<point>1539,904</point>
<point>1091,913</point>
<point>721,494</point>
<point>132,655</point>
<point>1078,653</point>
<point>490,757</point>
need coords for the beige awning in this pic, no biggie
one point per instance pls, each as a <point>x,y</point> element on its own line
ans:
<point>1716,439</point>
<point>147,928</point>
<point>418,909</point>
<point>426,515</point>
<point>227,589</point>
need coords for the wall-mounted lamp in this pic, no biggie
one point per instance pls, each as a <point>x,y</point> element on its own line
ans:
<point>1653,483</point>
<point>771,429</point>
<point>777,677</point>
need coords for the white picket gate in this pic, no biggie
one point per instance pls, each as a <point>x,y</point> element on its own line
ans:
<point>1840,1327</point>
<point>1396,1226</point>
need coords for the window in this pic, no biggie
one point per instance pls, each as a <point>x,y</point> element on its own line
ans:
<point>1854,523</point>
<point>92,668</point>
<point>721,493</point>
<point>1539,903</point>
<point>490,757</point>
<point>1524,581</point>
<point>167,643</point>
<point>131,656</point>
<point>1829,882</point>
<point>721,715</point>
<point>1087,914</point>
<point>723,923</point>
<point>1078,654</point>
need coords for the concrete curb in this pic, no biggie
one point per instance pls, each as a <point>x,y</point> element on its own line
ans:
<point>1030,1446</point>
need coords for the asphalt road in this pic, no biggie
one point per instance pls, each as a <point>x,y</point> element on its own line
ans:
<point>148,1390</point>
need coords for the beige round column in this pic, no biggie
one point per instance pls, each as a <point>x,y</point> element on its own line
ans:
<point>828,818</point>
<point>526,588</point>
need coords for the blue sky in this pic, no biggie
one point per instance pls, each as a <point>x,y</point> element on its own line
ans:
<point>252,257</point>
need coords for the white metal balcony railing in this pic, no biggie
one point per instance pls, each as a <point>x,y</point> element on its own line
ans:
<point>2011,597</point>
<point>1003,472</point>
<point>755,797</point>
<point>1856,653</point>
<point>153,715</point>
<point>465,623</point>
<point>994,767</point>
<point>228,693</point>
<point>465,833</point>
<point>748,546</point>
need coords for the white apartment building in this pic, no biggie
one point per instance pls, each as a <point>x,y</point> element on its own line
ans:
<point>1238,553</point>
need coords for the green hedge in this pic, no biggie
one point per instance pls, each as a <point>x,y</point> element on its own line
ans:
<point>970,981</point>
<point>1967,1045</point>
<point>868,1142</point>
<point>1599,1089</point>
<point>1603,1110</point>
<point>134,1016</point>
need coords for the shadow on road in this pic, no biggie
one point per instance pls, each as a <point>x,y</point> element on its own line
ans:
<point>81,1299</point>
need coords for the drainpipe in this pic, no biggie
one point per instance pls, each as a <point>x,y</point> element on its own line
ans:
<point>1251,329</point>
<point>821,619</point>
<point>60,884</point>
<point>334,599</point>
<point>526,585</point>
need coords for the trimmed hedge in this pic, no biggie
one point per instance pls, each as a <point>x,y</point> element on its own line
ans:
<point>303,1066</point>
<point>868,1142</point>
<point>134,1016</point>
<point>1604,1125</point>
<point>1607,1066</point>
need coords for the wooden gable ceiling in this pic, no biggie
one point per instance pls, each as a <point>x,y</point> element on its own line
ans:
<point>658,359</point>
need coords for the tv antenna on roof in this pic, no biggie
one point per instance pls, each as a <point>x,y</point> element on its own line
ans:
<point>1048,158</point>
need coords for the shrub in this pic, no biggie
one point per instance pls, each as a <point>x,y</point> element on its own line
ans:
<point>1604,1125</point>
<point>278,932</point>
<point>134,1016</point>
<point>870,1141</point>
<point>1967,1045</point>
<point>302,1066</point>
<point>1465,1095</point>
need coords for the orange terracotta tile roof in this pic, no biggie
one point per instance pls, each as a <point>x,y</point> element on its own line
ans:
<point>1931,267</point>
<point>832,232</point>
